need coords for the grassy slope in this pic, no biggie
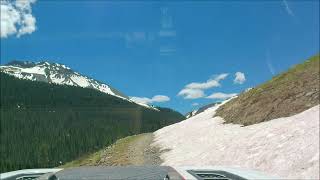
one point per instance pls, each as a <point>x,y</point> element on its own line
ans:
<point>284,95</point>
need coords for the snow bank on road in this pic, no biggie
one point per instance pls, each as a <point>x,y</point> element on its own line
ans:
<point>285,147</point>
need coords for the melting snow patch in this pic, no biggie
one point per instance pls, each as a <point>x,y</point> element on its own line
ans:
<point>34,70</point>
<point>285,147</point>
<point>80,81</point>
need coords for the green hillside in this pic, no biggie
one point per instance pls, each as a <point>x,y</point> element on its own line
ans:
<point>46,125</point>
<point>284,95</point>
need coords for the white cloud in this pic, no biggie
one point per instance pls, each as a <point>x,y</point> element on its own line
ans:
<point>16,18</point>
<point>240,78</point>
<point>28,25</point>
<point>145,100</point>
<point>287,7</point>
<point>191,93</point>
<point>160,98</point>
<point>24,4</point>
<point>9,18</point>
<point>221,95</point>
<point>209,84</point>
<point>196,89</point>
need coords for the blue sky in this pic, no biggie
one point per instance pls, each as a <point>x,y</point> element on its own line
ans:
<point>151,48</point>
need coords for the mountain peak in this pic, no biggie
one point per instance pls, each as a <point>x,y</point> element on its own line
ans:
<point>28,64</point>
<point>21,63</point>
<point>55,73</point>
<point>58,74</point>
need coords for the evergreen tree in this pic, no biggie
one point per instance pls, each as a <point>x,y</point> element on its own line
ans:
<point>43,124</point>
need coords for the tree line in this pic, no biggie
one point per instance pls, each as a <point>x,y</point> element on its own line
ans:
<point>46,125</point>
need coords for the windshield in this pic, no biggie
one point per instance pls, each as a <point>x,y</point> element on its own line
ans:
<point>161,83</point>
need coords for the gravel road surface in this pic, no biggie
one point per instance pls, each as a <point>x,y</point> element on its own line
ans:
<point>134,150</point>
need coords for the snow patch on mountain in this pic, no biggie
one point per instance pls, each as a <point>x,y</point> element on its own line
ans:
<point>287,147</point>
<point>56,79</point>
<point>58,74</point>
<point>80,81</point>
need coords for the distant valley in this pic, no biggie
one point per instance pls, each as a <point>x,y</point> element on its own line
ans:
<point>48,118</point>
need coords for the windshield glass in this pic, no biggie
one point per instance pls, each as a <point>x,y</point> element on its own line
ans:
<point>158,83</point>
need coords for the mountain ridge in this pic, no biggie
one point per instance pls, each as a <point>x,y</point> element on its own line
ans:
<point>56,73</point>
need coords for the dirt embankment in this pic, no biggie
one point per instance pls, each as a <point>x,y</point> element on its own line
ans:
<point>132,150</point>
<point>284,95</point>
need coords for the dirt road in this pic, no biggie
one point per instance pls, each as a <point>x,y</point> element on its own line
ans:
<point>132,150</point>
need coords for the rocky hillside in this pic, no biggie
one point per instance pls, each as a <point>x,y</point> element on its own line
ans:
<point>284,95</point>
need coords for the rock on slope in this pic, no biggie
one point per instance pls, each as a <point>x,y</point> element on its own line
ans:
<point>287,94</point>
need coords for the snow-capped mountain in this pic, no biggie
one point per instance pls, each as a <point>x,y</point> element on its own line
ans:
<point>58,74</point>
<point>201,109</point>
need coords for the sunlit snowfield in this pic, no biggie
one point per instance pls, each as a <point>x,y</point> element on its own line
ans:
<point>285,147</point>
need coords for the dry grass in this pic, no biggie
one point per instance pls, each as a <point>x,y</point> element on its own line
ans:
<point>126,151</point>
<point>114,151</point>
<point>284,95</point>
